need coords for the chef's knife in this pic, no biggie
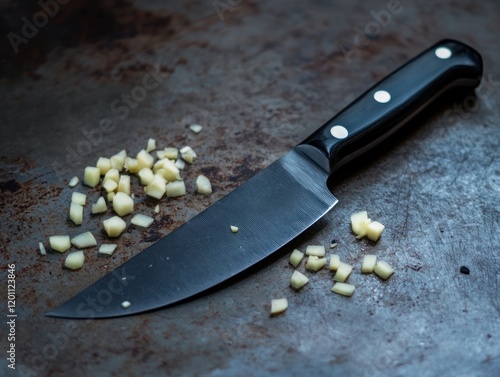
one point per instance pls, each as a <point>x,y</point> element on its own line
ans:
<point>278,203</point>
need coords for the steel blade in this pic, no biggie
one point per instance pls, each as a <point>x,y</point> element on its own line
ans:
<point>270,210</point>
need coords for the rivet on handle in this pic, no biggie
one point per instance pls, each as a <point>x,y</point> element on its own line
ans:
<point>339,132</point>
<point>443,52</point>
<point>382,96</point>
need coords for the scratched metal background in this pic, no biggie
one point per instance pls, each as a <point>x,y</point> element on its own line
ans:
<point>260,76</point>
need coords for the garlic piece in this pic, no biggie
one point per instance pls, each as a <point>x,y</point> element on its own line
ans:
<point>112,174</point>
<point>171,153</point>
<point>188,154</point>
<point>316,250</point>
<point>84,240</point>
<point>169,171</point>
<point>124,184</point>
<point>118,160</point>
<point>343,289</point>
<point>160,155</point>
<point>343,272</point>
<point>73,181</point>
<point>91,176</point>
<point>99,206</point>
<point>315,263</point>
<point>203,185</point>
<point>175,189</point>
<point>144,160</point>
<point>359,223</point>
<point>109,185</point>
<point>298,280</point>
<point>146,176</point>
<point>368,264</point>
<point>132,165</point>
<point>196,128</point>
<point>76,213</point>
<point>374,230</point>
<point>157,187</point>
<point>78,198</point>
<point>104,164</point>
<point>278,306</point>
<point>75,260</point>
<point>296,257</point>
<point>383,270</point>
<point>123,204</point>
<point>334,262</point>
<point>151,145</point>
<point>60,243</point>
<point>181,164</point>
<point>107,248</point>
<point>114,226</point>
<point>142,220</point>
<point>42,248</point>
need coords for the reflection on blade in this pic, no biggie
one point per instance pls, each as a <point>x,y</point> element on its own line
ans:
<point>270,210</point>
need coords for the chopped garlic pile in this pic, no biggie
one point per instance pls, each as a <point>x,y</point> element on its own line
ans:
<point>159,174</point>
<point>362,226</point>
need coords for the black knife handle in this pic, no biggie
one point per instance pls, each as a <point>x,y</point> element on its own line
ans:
<point>390,103</point>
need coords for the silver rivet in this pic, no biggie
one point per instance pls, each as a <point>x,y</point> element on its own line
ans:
<point>443,52</point>
<point>382,96</point>
<point>339,132</point>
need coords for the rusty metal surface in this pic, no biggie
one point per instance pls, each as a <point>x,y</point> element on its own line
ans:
<point>260,76</point>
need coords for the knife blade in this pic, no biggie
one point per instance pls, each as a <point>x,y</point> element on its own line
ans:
<point>278,203</point>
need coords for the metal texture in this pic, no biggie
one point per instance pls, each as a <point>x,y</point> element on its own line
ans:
<point>270,210</point>
<point>260,76</point>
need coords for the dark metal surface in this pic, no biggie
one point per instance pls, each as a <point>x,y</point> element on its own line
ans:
<point>269,210</point>
<point>260,76</point>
